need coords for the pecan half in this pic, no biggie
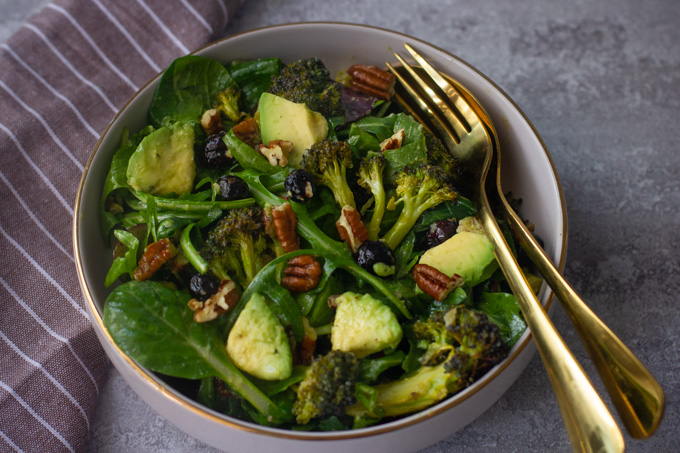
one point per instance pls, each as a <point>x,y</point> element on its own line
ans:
<point>211,121</point>
<point>155,254</point>
<point>276,152</point>
<point>302,274</point>
<point>248,132</point>
<point>351,228</point>
<point>217,304</point>
<point>436,284</point>
<point>285,222</point>
<point>394,141</point>
<point>372,80</point>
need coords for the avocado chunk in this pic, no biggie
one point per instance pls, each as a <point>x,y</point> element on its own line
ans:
<point>281,119</point>
<point>258,344</point>
<point>163,163</point>
<point>467,253</point>
<point>364,325</point>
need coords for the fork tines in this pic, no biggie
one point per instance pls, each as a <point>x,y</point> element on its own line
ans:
<point>442,105</point>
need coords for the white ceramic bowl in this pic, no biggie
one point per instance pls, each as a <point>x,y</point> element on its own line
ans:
<point>528,172</point>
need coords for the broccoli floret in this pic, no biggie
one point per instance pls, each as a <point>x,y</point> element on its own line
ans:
<point>236,244</point>
<point>418,189</point>
<point>371,178</point>
<point>328,387</point>
<point>308,82</point>
<point>461,345</point>
<point>328,162</point>
<point>439,156</point>
<point>228,102</point>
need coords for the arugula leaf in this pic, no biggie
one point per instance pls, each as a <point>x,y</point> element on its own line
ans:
<point>404,258</point>
<point>154,325</point>
<point>247,156</point>
<point>124,264</point>
<point>187,89</point>
<point>503,310</point>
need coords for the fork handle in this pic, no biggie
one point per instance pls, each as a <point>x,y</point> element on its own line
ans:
<point>637,396</point>
<point>590,426</point>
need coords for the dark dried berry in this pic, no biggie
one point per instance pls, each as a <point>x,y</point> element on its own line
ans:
<point>300,186</point>
<point>376,257</point>
<point>441,231</point>
<point>215,152</point>
<point>202,286</point>
<point>233,188</point>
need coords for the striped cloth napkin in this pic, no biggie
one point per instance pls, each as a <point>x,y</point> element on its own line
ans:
<point>63,77</point>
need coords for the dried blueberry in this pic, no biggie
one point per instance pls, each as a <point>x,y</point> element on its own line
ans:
<point>202,286</point>
<point>233,188</point>
<point>215,152</point>
<point>440,231</point>
<point>376,257</point>
<point>300,186</point>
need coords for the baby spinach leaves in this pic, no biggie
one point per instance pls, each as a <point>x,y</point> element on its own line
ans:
<point>153,324</point>
<point>187,89</point>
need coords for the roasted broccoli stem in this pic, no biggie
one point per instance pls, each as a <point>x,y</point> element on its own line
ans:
<point>228,103</point>
<point>328,387</point>
<point>418,189</point>
<point>460,346</point>
<point>371,178</point>
<point>308,81</point>
<point>328,162</point>
<point>236,244</point>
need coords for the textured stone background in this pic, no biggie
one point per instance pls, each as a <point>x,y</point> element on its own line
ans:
<point>600,80</point>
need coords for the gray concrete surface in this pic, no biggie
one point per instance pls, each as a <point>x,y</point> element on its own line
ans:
<point>600,81</point>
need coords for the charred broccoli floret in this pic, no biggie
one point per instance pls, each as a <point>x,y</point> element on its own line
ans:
<point>328,162</point>
<point>328,387</point>
<point>228,103</point>
<point>418,189</point>
<point>460,346</point>
<point>439,156</point>
<point>236,244</point>
<point>308,81</point>
<point>371,178</point>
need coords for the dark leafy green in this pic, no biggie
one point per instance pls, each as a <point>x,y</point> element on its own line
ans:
<point>154,325</point>
<point>254,77</point>
<point>503,309</point>
<point>187,89</point>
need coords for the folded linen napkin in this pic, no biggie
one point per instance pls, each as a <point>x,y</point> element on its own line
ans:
<point>63,77</point>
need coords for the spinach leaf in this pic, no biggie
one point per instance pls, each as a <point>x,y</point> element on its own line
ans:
<point>367,133</point>
<point>116,178</point>
<point>153,325</point>
<point>187,89</point>
<point>370,369</point>
<point>503,310</point>
<point>254,78</point>
<point>226,403</point>
<point>458,209</point>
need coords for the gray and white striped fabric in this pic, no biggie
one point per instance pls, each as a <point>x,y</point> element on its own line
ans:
<point>63,77</point>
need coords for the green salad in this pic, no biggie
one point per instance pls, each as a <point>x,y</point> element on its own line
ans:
<point>295,251</point>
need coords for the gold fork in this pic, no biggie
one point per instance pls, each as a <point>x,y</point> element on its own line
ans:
<point>589,424</point>
<point>637,396</point>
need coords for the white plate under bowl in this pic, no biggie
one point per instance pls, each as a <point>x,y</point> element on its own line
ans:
<point>528,172</point>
